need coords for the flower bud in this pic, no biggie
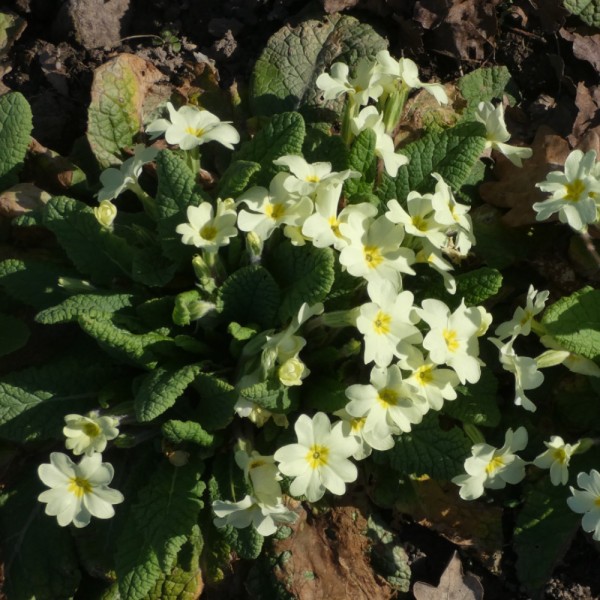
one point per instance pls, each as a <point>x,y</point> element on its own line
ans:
<point>105,213</point>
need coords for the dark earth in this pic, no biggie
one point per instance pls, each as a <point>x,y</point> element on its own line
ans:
<point>553,57</point>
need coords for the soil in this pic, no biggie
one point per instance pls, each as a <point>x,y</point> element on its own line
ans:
<point>53,61</point>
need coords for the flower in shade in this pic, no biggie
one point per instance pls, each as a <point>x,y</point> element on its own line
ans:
<point>556,458</point>
<point>587,502</point>
<point>105,213</point>
<point>86,435</point>
<point>78,492</point>
<point>319,460</point>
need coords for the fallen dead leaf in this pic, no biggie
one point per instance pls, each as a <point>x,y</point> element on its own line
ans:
<point>586,44</point>
<point>454,585</point>
<point>333,6</point>
<point>587,101</point>
<point>20,199</point>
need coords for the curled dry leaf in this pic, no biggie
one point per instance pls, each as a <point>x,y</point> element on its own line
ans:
<point>587,123</point>
<point>20,199</point>
<point>454,585</point>
<point>586,44</point>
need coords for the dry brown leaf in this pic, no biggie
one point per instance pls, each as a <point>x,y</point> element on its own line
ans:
<point>333,6</point>
<point>586,44</point>
<point>20,199</point>
<point>454,585</point>
<point>587,101</point>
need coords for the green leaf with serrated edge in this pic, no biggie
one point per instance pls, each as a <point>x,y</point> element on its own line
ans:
<point>362,159</point>
<point>34,401</point>
<point>250,295</point>
<point>143,349</point>
<point>271,395</point>
<point>158,526</point>
<point>91,305</point>
<point>544,529</point>
<point>15,136</point>
<point>217,399</point>
<point>237,177</point>
<point>13,334</point>
<point>180,432</point>
<point>452,153</point>
<point>321,142</point>
<point>476,403</point>
<point>33,282</point>
<point>160,390</point>
<point>176,191</point>
<point>151,268</point>
<point>587,10</point>
<point>574,321</point>
<point>283,134</point>
<point>429,450</point>
<point>38,555</point>
<point>484,85</point>
<point>304,274</point>
<point>93,249</point>
<point>284,77</point>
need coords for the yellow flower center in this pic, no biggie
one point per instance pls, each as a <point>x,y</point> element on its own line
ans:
<point>335,226</point>
<point>195,132</point>
<point>451,341</point>
<point>274,211</point>
<point>527,316</point>
<point>79,486</point>
<point>91,430</point>
<point>312,179</point>
<point>382,322</point>
<point>256,463</point>
<point>496,463</point>
<point>373,256</point>
<point>424,375</point>
<point>317,456</point>
<point>208,232</point>
<point>560,455</point>
<point>387,397</point>
<point>419,223</point>
<point>597,501</point>
<point>574,190</point>
<point>357,424</point>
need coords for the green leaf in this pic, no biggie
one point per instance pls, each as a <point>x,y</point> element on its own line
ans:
<point>283,134</point>
<point>270,395</point>
<point>160,390</point>
<point>34,401</point>
<point>39,559</point>
<point>574,321</point>
<point>180,432</point>
<point>237,177</point>
<point>587,10</point>
<point>158,526</point>
<point>33,282</point>
<point>476,403</point>
<point>452,153</point>
<point>321,141</point>
<point>250,295</point>
<point>93,249</point>
<point>151,268</point>
<point>304,274</point>
<point>285,74</point>
<point>484,85</point>
<point>478,285</point>
<point>217,399</point>
<point>13,334</point>
<point>15,134</point>
<point>429,450</point>
<point>362,159</point>
<point>544,530</point>
<point>96,306</point>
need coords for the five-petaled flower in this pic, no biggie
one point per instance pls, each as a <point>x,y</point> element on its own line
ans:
<point>208,230</point>
<point>89,434</point>
<point>587,502</point>
<point>556,458</point>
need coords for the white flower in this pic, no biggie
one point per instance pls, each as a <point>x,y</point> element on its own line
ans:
<point>116,181</point>
<point>587,502</point>
<point>319,460</point>
<point>206,231</point>
<point>369,118</point>
<point>78,491</point>
<point>573,362</point>
<point>574,192</point>
<point>452,338</point>
<point>105,213</point>
<point>354,426</point>
<point>497,133</point>
<point>262,473</point>
<point>190,127</point>
<point>250,511</point>
<point>520,324</point>
<point>258,415</point>
<point>360,88</point>
<point>432,256</point>
<point>493,468</point>
<point>293,371</point>
<point>556,458</point>
<point>89,434</point>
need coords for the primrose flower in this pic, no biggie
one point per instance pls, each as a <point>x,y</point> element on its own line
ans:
<point>520,324</point>
<point>206,231</point>
<point>116,181</point>
<point>78,492</point>
<point>432,256</point>
<point>105,213</point>
<point>354,427</point>
<point>257,414</point>
<point>249,510</point>
<point>262,473</point>
<point>574,362</point>
<point>319,460</point>
<point>369,118</point>
<point>87,435</point>
<point>574,192</point>
<point>493,468</point>
<point>190,127</point>
<point>587,502</point>
<point>556,458</point>
<point>360,88</point>
<point>497,134</point>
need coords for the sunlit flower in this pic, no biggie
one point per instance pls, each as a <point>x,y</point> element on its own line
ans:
<point>556,458</point>
<point>493,468</point>
<point>86,435</point>
<point>78,491</point>
<point>587,502</point>
<point>319,460</point>
<point>432,256</point>
<point>190,127</point>
<point>520,324</point>
<point>207,230</point>
<point>360,88</point>
<point>354,426</point>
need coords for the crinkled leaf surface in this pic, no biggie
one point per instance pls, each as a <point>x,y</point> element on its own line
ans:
<point>362,159</point>
<point>484,85</point>
<point>586,10</point>
<point>180,432</point>
<point>217,399</point>
<point>237,177</point>
<point>91,305</point>
<point>285,74</point>
<point>15,134</point>
<point>270,395</point>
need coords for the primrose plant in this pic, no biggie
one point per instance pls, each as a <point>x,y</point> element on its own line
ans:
<point>314,314</point>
